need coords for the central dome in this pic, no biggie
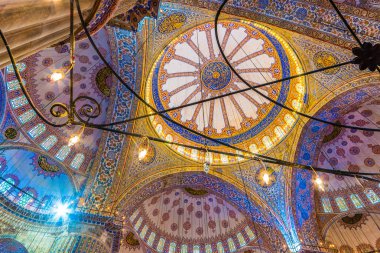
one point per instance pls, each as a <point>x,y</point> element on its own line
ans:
<point>191,68</point>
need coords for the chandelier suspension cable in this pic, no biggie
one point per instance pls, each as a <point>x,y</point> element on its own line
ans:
<point>228,94</point>
<point>89,108</point>
<point>267,159</point>
<point>268,98</point>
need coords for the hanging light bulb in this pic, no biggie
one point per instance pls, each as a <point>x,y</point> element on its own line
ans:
<point>56,76</point>
<point>318,181</point>
<point>142,154</point>
<point>266,177</point>
<point>74,139</point>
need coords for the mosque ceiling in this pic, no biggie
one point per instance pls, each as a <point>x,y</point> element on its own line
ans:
<point>170,203</point>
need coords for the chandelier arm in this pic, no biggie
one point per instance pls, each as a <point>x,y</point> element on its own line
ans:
<point>228,94</point>
<point>143,101</point>
<point>26,94</point>
<point>277,161</point>
<point>345,22</point>
<point>268,98</point>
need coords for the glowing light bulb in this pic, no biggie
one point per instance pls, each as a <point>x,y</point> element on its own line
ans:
<point>266,178</point>
<point>56,76</point>
<point>73,140</point>
<point>318,181</point>
<point>142,153</point>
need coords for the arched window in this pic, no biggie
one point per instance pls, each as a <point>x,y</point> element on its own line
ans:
<point>37,130</point>
<point>13,85</point>
<point>196,249</point>
<point>356,201</point>
<point>249,232</point>
<point>219,247</point>
<point>289,119</point>
<point>341,204</point>
<point>49,142</point>
<point>172,247</point>
<point>143,231</point>
<point>267,142</point>
<point>151,238</point>
<point>18,102</point>
<point>208,248</point>
<point>138,223</point>
<point>241,239</point>
<point>326,205</point>
<point>63,153</point>
<point>27,116</point>
<point>77,161</point>
<point>372,196</point>
<point>231,245</point>
<point>134,215</point>
<point>25,199</point>
<point>20,66</point>
<point>279,132</point>
<point>160,246</point>
<point>6,185</point>
<point>184,248</point>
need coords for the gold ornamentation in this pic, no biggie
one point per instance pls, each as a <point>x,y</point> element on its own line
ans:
<point>196,192</point>
<point>131,240</point>
<point>101,81</point>
<point>44,164</point>
<point>325,59</point>
<point>172,23</point>
<point>10,133</point>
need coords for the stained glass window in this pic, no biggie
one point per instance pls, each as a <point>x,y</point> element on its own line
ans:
<point>18,102</point>
<point>296,104</point>
<point>241,239</point>
<point>356,201</point>
<point>20,66</point>
<point>5,186</point>
<point>184,248</point>
<point>231,245</point>
<point>249,232</point>
<point>279,132</point>
<point>372,196</point>
<point>208,248</point>
<point>37,130</point>
<point>49,142</point>
<point>27,116</point>
<point>219,247</point>
<point>138,223</point>
<point>196,249</point>
<point>143,231</point>
<point>326,205</point>
<point>25,199</point>
<point>151,238</point>
<point>267,142</point>
<point>160,246</point>
<point>63,153</point>
<point>172,247</point>
<point>77,161</point>
<point>289,119</point>
<point>13,85</point>
<point>134,215</point>
<point>341,204</point>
